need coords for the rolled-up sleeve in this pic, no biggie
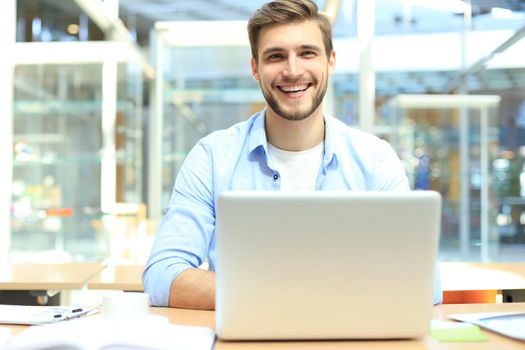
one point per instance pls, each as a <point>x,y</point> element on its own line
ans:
<point>185,232</point>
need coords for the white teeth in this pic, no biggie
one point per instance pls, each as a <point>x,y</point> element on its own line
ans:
<point>294,88</point>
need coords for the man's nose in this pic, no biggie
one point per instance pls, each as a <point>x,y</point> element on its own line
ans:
<point>294,67</point>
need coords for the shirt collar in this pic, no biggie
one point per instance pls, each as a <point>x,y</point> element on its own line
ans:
<point>330,149</point>
<point>258,141</point>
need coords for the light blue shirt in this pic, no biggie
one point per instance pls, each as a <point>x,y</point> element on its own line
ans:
<point>236,159</point>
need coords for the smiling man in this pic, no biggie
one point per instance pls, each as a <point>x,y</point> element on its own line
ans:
<point>290,145</point>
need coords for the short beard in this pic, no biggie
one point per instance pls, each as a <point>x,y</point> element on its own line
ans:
<point>272,102</point>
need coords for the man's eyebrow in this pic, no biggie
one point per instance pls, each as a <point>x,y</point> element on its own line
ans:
<point>311,47</point>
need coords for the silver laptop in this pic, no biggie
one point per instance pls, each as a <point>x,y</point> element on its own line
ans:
<point>325,265</point>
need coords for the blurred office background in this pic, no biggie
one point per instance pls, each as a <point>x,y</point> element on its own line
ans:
<point>101,101</point>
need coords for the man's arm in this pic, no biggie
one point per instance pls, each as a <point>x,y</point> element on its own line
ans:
<point>185,232</point>
<point>193,289</point>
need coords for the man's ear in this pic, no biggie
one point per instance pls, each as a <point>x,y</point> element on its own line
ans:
<point>331,62</point>
<point>255,72</point>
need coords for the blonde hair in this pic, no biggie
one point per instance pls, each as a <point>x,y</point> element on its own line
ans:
<point>287,11</point>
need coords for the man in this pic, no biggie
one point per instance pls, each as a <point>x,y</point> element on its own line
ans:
<point>290,145</point>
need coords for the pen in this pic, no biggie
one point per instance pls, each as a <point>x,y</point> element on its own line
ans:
<point>62,314</point>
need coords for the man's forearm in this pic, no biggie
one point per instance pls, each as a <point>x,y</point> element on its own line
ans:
<point>193,289</point>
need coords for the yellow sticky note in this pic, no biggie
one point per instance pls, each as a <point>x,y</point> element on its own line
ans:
<point>458,332</point>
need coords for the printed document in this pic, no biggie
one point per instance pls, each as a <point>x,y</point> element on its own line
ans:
<point>96,333</point>
<point>37,315</point>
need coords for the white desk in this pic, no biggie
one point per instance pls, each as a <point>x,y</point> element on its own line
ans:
<point>480,282</point>
<point>119,277</point>
<point>45,280</point>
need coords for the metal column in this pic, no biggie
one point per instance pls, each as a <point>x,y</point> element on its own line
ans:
<point>365,36</point>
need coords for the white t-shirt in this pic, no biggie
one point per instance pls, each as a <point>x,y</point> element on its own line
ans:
<point>298,170</point>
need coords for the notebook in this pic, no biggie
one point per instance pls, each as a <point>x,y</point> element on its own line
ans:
<point>325,265</point>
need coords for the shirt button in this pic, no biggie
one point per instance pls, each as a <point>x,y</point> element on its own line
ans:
<point>276,177</point>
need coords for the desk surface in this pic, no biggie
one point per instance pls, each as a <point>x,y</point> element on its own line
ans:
<point>495,341</point>
<point>119,277</point>
<point>47,276</point>
<point>455,276</point>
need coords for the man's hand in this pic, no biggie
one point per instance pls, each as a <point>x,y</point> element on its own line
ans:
<point>193,289</point>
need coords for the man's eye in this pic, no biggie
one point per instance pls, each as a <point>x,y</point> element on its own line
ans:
<point>309,54</point>
<point>275,57</point>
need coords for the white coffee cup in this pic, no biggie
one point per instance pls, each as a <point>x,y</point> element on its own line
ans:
<point>125,305</point>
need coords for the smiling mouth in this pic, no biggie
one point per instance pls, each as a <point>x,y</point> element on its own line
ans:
<point>294,89</point>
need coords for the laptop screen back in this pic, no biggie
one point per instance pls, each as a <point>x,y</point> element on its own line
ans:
<point>325,265</point>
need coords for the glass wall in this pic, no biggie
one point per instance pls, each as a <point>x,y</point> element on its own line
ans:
<point>57,139</point>
<point>203,95</point>
<point>77,191</point>
<point>50,20</point>
<point>448,144</point>
<point>58,152</point>
<point>67,147</point>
